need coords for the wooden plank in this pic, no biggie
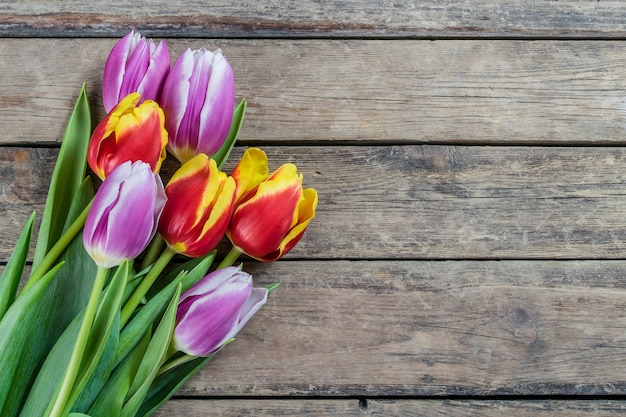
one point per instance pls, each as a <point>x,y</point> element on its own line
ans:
<point>388,408</point>
<point>448,328</point>
<point>356,91</point>
<point>418,202</point>
<point>362,18</point>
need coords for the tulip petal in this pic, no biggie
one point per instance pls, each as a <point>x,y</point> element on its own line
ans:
<point>114,71</point>
<point>251,170</point>
<point>175,97</point>
<point>306,213</point>
<point>152,83</point>
<point>136,65</point>
<point>217,112</point>
<point>256,300</point>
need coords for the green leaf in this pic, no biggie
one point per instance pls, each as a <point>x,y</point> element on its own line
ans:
<point>111,399</point>
<point>51,372</point>
<point>47,318</point>
<point>78,415</point>
<point>69,172</point>
<point>10,278</point>
<point>221,156</point>
<point>166,385</point>
<point>152,360</point>
<point>17,329</point>
<point>108,312</point>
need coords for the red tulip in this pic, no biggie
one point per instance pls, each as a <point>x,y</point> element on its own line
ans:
<point>270,216</point>
<point>199,207</point>
<point>128,133</point>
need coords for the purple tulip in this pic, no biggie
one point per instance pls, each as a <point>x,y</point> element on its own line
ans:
<point>198,100</point>
<point>124,215</point>
<point>135,64</point>
<point>214,310</point>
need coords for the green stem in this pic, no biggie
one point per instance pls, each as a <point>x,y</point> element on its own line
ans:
<point>153,252</point>
<point>145,285</point>
<point>230,258</point>
<point>69,377</point>
<point>53,254</point>
<point>174,363</point>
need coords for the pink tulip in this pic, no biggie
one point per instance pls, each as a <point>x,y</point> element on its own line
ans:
<point>198,100</point>
<point>124,215</point>
<point>135,64</point>
<point>214,310</point>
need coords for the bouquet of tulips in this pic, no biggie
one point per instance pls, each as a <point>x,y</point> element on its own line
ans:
<point>108,322</point>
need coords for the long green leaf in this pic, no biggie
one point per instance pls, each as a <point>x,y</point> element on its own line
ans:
<point>221,156</point>
<point>10,279</point>
<point>111,398</point>
<point>17,330</point>
<point>166,385</point>
<point>51,372</point>
<point>152,360</point>
<point>108,312</point>
<point>68,174</point>
<point>51,314</point>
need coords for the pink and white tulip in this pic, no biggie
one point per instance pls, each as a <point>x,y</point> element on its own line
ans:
<point>135,64</point>
<point>198,100</point>
<point>214,310</point>
<point>124,215</point>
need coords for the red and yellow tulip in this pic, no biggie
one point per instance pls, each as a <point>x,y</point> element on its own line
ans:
<point>199,207</point>
<point>271,213</point>
<point>129,132</point>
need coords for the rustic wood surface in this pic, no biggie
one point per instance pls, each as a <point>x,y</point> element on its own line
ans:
<point>358,91</point>
<point>468,255</point>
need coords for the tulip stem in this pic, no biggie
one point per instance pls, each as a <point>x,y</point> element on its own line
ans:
<point>154,272</point>
<point>57,249</point>
<point>69,377</point>
<point>153,251</point>
<point>230,258</point>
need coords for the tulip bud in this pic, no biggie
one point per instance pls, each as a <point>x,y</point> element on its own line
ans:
<point>124,215</point>
<point>198,100</point>
<point>135,64</point>
<point>214,310</point>
<point>128,133</point>
<point>199,206</point>
<point>269,218</point>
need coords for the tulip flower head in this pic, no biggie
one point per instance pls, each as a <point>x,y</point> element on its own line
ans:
<point>135,64</point>
<point>198,100</point>
<point>124,215</point>
<point>199,206</point>
<point>214,310</point>
<point>130,132</point>
<point>271,215</point>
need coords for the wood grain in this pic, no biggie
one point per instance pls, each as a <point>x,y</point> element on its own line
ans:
<point>352,18</point>
<point>356,91</point>
<point>418,202</point>
<point>390,408</point>
<point>448,328</point>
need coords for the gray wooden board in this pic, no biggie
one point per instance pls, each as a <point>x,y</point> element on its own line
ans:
<point>394,328</point>
<point>353,18</point>
<point>389,408</point>
<point>418,202</point>
<point>356,91</point>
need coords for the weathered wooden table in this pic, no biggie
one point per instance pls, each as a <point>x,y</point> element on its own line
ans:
<point>469,254</point>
